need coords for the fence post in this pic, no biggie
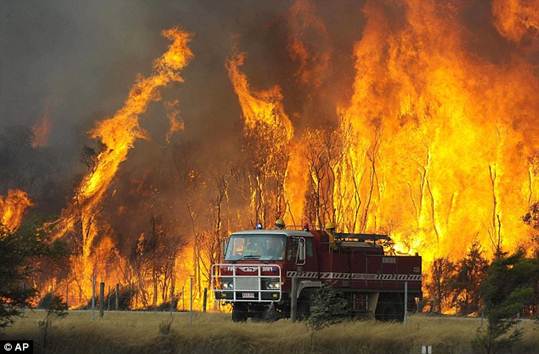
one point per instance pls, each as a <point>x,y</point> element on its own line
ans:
<point>101,299</point>
<point>93,296</point>
<point>426,349</point>
<point>294,298</point>
<point>117,297</point>
<point>405,301</point>
<point>67,294</point>
<point>108,299</point>
<point>205,300</point>
<point>173,296</point>
<point>191,299</point>
<point>172,299</point>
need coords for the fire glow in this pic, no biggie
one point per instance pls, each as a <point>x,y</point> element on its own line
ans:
<point>117,134</point>
<point>12,208</point>
<point>435,145</point>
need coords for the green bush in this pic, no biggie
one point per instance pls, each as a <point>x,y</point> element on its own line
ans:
<point>506,291</point>
<point>329,306</point>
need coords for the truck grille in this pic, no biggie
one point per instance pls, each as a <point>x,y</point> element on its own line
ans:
<point>247,287</point>
<point>247,283</point>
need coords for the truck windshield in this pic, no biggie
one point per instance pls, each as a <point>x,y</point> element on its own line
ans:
<point>262,247</point>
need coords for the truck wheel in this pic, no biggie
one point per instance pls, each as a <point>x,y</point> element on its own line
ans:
<point>304,308</point>
<point>239,313</point>
<point>304,304</point>
<point>390,307</point>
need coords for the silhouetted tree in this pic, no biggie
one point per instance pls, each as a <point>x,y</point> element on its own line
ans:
<point>153,262</point>
<point>440,287</point>
<point>19,252</point>
<point>506,290</point>
<point>470,272</point>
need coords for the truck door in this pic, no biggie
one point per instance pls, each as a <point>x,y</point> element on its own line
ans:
<point>301,255</point>
<point>311,263</point>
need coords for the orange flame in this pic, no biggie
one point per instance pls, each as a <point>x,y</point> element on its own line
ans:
<point>118,135</point>
<point>258,107</point>
<point>431,146</point>
<point>266,122</point>
<point>12,208</point>
<point>436,146</point>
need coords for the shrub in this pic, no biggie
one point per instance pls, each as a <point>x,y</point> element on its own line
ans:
<point>507,289</point>
<point>329,306</point>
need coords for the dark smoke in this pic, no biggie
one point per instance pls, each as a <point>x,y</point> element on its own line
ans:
<point>76,60</point>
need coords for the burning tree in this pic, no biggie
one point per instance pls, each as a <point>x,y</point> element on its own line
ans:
<point>470,273</point>
<point>440,285</point>
<point>323,156</point>
<point>268,131</point>
<point>117,135</point>
<point>532,217</point>
<point>153,262</point>
<point>412,145</point>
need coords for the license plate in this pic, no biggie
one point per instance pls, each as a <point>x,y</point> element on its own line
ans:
<point>248,295</point>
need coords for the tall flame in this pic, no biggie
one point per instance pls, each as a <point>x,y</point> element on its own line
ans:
<point>267,125</point>
<point>259,107</point>
<point>118,134</point>
<point>437,145</point>
<point>12,208</point>
<point>435,139</point>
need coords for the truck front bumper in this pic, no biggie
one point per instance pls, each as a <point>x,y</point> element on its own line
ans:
<point>246,282</point>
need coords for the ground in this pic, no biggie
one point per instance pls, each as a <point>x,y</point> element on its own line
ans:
<point>148,332</point>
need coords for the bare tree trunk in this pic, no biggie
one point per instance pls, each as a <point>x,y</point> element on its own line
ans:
<point>433,212</point>
<point>369,195</point>
<point>155,287</point>
<point>496,233</point>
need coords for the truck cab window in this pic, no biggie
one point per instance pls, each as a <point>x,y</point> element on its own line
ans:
<point>292,249</point>
<point>309,247</point>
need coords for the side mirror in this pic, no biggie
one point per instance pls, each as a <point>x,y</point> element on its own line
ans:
<point>300,256</point>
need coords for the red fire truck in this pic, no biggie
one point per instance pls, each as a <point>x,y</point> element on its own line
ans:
<point>259,266</point>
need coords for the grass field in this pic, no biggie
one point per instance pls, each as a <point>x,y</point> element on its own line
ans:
<point>143,332</point>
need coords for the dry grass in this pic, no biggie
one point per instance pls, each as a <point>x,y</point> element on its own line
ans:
<point>139,332</point>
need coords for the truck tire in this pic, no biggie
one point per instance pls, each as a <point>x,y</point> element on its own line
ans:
<point>304,306</point>
<point>390,307</point>
<point>239,313</point>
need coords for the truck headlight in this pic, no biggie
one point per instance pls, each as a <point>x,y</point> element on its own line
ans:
<point>227,284</point>
<point>274,285</point>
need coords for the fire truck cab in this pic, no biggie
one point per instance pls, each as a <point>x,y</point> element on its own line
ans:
<point>256,275</point>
